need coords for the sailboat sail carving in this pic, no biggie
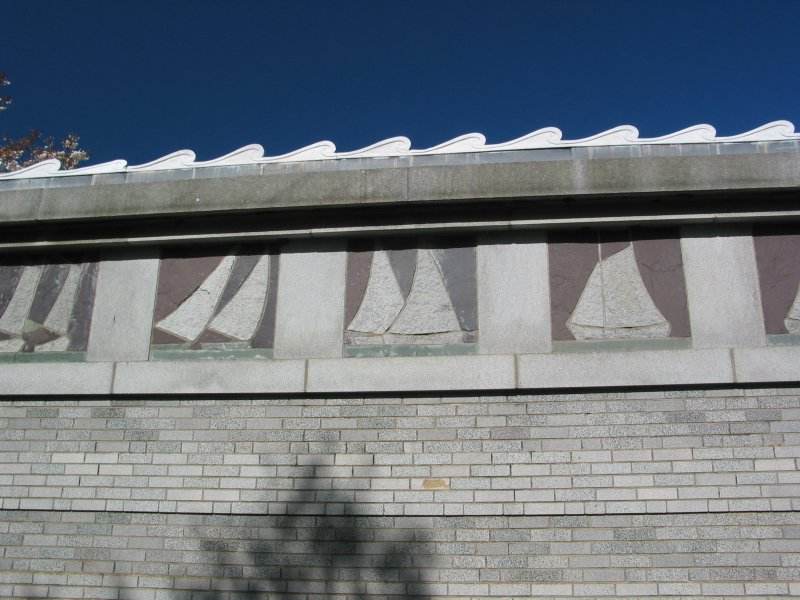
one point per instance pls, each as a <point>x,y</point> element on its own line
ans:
<point>425,315</point>
<point>207,309</point>
<point>792,320</point>
<point>39,315</point>
<point>616,304</point>
<point>240,317</point>
<point>12,321</point>
<point>383,299</point>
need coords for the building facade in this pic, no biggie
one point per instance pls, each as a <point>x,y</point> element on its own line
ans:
<point>558,372</point>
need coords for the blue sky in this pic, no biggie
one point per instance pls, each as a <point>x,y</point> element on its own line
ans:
<point>137,80</point>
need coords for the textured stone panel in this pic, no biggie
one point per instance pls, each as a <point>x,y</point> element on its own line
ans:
<point>572,256</point>
<point>658,256</point>
<point>311,298</point>
<point>122,321</point>
<point>411,292</point>
<point>621,284</point>
<point>615,303</point>
<point>777,250</point>
<point>514,294</point>
<point>216,302</point>
<point>722,286</point>
<point>383,299</point>
<point>46,304</point>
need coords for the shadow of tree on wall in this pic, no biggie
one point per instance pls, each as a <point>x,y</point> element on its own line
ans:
<point>325,547</point>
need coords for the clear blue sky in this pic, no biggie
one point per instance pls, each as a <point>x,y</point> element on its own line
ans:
<point>139,79</point>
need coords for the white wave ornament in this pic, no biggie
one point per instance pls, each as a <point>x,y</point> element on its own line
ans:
<point>316,151</point>
<point>46,168</point>
<point>696,134</point>
<point>624,135</point>
<point>180,159</point>
<point>396,146</point>
<point>545,138</point>
<point>469,142</point>
<point>112,166</point>
<point>777,130</point>
<point>246,155</point>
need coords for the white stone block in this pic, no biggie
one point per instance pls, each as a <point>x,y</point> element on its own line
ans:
<point>775,364</point>
<point>411,374</point>
<point>597,369</point>
<point>722,287</point>
<point>122,320</point>
<point>55,378</point>
<point>311,293</point>
<point>513,294</point>
<point>200,377</point>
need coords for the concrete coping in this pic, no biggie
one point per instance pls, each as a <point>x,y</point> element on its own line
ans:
<point>408,375</point>
<point>395,183</point>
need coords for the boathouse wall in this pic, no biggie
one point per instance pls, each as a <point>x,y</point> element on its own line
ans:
<point>509,375</point>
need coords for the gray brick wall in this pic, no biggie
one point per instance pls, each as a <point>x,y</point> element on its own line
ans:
<point>172,556</point>
<point>690,493</point>
<point>636,452</point>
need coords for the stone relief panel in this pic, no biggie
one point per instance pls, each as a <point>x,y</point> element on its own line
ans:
<point>216,302</point>
<point>411,293</point>
<point>46,305</point>
<point>777,251</point>
<point>617,285</point>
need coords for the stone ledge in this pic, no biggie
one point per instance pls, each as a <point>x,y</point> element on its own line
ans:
<point>771,364</point>
<point>411,374</point>
<point>55,378</point>
<point>408,374</point>
<point>213,376</point>
<point>393,186</point>
<point>605,369</point>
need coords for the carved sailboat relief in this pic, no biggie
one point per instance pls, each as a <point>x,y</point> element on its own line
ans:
<point>191,317</point>
<point>46,307</point>
<point>792,320</point>
<point>616,304</point>
<point>428,309</point>
<point>382,301</point>
<point>16,313</point>
<point>411,296</point>
<point>777,249</point>
<point>239,318</point>
<point>617,287</point>
<point>216,302</point>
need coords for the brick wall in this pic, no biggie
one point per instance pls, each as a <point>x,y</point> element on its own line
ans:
<point>627,494</point>
<point>172,556</point>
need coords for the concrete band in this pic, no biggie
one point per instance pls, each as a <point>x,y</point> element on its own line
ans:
<point>727,343</point>
<point>410,374</point>
<point>397,186</point>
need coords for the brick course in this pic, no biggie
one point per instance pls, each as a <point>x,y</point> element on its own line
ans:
<point>626,494</point>
<point>153,556</point>
<point>641,452</point>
